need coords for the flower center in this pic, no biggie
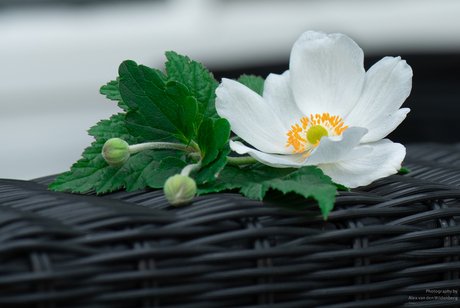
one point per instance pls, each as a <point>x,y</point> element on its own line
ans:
<point>306,137</point>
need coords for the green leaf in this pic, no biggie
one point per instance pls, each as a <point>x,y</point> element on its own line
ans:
<point>111,91</point>
<point>172,165</point>
<point>403,171</point>
<point>160,110</point>
<point>213,142</point>
<point>212,136</point>
<point>210,172</point>
<point>168,167</point>
<point>255,83</point>
<point>93,172</point>
<point>341,187</point>
<point>254,181</point>
<point>115,127</point>
<point>198,80</point>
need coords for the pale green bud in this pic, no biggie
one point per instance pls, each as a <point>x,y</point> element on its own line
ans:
<point>116,152</point>
<point>180,189</point>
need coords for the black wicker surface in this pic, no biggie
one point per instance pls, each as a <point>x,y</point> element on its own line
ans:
<point>394,243</point>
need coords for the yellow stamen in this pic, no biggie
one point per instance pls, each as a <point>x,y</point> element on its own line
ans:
<point>307,137</point>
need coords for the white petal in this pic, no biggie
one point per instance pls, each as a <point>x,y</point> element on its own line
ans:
<point>387,85</point>
<point>333,149</point>
<point>359,151</point>
<point>274,160</point>
<point>327,73</point>
<point>278,94</point>
<point>384,160</point>
<point>251,117</point>
<point>385,126</point>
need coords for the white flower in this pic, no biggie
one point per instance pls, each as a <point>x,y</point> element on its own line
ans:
<point>324,111</point>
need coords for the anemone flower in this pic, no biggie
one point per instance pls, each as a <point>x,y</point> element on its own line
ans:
<point>326,110</point>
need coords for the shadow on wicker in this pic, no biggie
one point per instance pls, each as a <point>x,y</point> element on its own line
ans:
<point>394,243</point>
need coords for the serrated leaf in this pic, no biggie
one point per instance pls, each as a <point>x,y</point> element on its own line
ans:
<point>255,83</point>
<point>198,80</point>
<point>111,91</point>
<point>309,182</point>
<point>160,111</point>
<point>115,127</point>
<point>168,167</point>
<point>93,172</point>
<point>254,182</point>
<point>212,136</point>
<point>211,171</point>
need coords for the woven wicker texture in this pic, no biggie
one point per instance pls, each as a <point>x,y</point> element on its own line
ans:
<point>394,243</point>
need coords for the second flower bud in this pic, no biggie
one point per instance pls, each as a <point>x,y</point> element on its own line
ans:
<point>180,189</point>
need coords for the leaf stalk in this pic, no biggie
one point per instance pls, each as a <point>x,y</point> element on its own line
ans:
<point>244,160</point>
<point>160,146</point>
<point>191,168</point>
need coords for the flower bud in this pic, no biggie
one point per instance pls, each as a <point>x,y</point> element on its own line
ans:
<point>116,152</point>
<point>180,189</point>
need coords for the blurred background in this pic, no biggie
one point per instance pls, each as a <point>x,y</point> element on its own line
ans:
<point>55,55</point>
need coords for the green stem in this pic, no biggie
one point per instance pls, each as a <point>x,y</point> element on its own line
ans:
<point>195,145</point>
<point>160,146</point>
<point>191,168</point>
<point>195,155</point>
<point>244,160</point>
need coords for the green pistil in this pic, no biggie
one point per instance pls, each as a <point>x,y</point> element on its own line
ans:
<point>315,133</point>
